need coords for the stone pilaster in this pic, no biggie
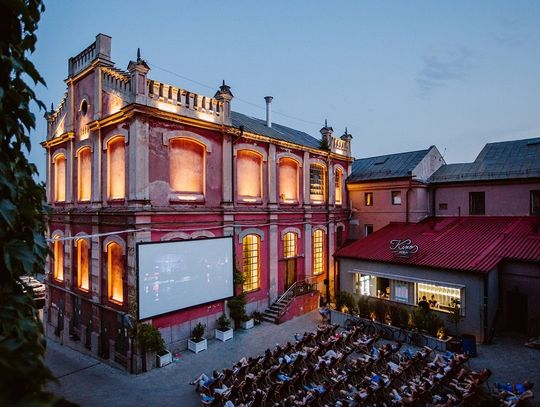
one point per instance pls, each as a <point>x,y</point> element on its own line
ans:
<point>273,243</point>
<point>272,174</point>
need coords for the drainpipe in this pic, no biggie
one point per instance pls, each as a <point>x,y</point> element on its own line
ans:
<point>407,199</point>
<point>485,310</point>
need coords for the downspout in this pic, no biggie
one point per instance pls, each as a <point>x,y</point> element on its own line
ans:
<point>485,311</point>
<point>407,199</point>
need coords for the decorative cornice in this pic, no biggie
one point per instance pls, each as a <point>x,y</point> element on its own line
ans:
<point>58,140</point>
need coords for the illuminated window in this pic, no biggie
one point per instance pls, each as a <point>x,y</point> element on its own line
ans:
<point>396,197</point>
<point>85,174</point>
<point>288,180</point>
<point>60,178</point>
<point>115,270</point>
<point>186,166</point>
<point>368,198</point>
<point>289,245</point>
<point>364,284</point>
<point>318,252</point>
<point>251,254</point>
<point>440,297</point>
<point>249,175</point>
<point>317,184</point>
<point>58,260</point>
<point>116,174</point>
<point>83,281</point>
<point>338,181</point>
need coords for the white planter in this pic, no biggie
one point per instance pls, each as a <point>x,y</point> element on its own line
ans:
<point>164,360</point>
<point>197,346</point>
<point>224,335</point>
<point>247,324</point>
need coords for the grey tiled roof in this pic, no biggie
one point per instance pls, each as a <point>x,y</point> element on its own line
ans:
<point>496,161</point>
<point>386,166</point>
<point>277,131</point>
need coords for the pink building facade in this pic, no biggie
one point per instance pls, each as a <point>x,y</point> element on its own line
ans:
<point>130,160</point>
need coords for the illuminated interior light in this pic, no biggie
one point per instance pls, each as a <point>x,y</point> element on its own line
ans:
<point>187,197</point>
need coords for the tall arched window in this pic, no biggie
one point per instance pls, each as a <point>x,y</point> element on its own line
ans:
<point>115,271</point>
<point>249,175</point>
<point>288,180</point>
<point>290,245</point>
<point>317,184</point>
<point>60,178</point>
<point>251,250</point>
<point>186,166</point>
<point>83,281</point>
<point>116,169</point>
<point>338,185</point>
<point>85,174</point>
<point>58,260</point>
<point>318,252</point>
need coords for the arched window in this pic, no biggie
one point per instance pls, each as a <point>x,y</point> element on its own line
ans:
<point>338,185</point>
<point>83,281</point>
<point>85,174</point>
<point>317,184</point>
<point>251,250</point>
<point>318,252</point>
<point>60,178</point>
<point>290,245</point>
<point>116,169</point>
<point>115,271</point>
<point>186,166</point>
<point>249,175</point>
<point>58,261</point>
<point>288,180</point>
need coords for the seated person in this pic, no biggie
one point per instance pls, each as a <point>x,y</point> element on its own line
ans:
<point>518,388</point>
<point>433,303</point>
<point>204,380</point>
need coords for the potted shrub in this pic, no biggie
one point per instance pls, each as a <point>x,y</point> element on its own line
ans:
<point>363,306</point>
<point>237,307</point>
<point>197,343</point>
<point>152,346</point>
<point>257,317</point>
<point>246,322</point>
<point>223,332</point>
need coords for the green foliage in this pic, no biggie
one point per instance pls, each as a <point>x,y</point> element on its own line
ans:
<point>149,338</point>
<point>399,316</point>
<point>380,309</point>
<point>223,323</point>
<point>237,306</point>
<point>22,225</point>
<point>198,332</point>
<point>257,317</point>
<point>345,299</point>
<point>427,321</point>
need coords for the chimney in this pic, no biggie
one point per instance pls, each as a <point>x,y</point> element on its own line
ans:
<point>268,110</point>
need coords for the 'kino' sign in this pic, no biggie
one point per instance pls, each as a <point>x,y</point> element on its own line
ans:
<point>403,248</point>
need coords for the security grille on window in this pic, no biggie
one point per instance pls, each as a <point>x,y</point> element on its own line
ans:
<point>396,197</point>
<point>368,198</point>
<point>251,255</point>
<point>317,184</point>
<point>477,203</point>
<point>318,252</point>
<point>535,202</point>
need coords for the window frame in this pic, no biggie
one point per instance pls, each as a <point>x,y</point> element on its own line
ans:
<point>58,260</point>
<point>318,255</point>
<point>249,198</point>
<point>110,277</point>
<point>366,226</point>
<point>338,181</point>
<point>395,196</point>
<point>290,244</point>
<point>185,196</point>
<point>114,140</point>
<point>535,211</point>
<point>315,187</point>
<point>248,259</point>
<point>282,198</point>
<point>368,202</point>
<point>79,268</point>
<point>56,158</point>
<point>79,177</point>
<point>473,210</point>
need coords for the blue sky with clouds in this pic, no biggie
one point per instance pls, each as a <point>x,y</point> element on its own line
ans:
<point>399,75</point>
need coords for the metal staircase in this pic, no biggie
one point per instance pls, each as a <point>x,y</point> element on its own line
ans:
<point>278,308</point>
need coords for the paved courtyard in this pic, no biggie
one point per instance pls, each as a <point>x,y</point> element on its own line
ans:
<point>89,382</point>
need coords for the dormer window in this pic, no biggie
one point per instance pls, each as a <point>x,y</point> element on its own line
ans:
<point>249,176</point>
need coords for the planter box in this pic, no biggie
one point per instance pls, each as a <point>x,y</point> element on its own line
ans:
<point>163,359</point>
<point>224,335</point>
<point>197,346</point>
<point>247,324</point>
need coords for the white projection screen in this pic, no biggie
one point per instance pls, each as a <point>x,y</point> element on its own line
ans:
<point>181,274</point>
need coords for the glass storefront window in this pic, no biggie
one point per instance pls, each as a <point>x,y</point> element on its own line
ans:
<point>401,291</point>
<point>365,285</point>
<point>439,297</point>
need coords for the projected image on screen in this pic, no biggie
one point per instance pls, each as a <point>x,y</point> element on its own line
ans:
<point>181,274</point>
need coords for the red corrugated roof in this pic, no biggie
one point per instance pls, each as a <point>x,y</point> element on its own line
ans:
<point>464,243</point>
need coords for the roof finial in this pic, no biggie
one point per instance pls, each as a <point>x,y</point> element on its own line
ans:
<point>346,132</point>
<point>138,54</point>
<point>52,108</point>
<point>325,123</point>
<point>223,84</point>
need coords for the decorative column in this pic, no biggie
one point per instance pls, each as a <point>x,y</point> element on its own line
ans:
<point>273,258</point>
<point>272,174</point>
<point>308,240</point>
<point>306,167</point>
<point>138,177</point>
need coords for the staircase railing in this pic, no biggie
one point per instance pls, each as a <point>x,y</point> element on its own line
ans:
<point>299,287</point>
